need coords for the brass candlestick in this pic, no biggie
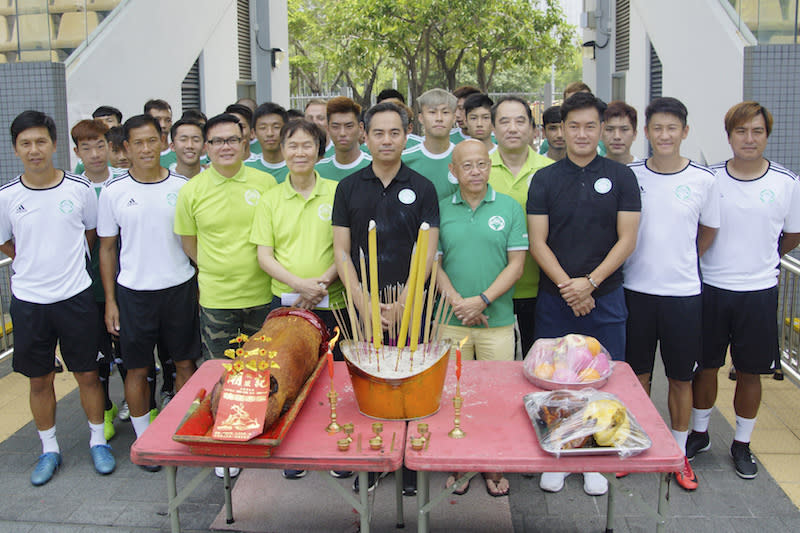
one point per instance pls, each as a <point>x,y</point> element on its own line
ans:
<point>333,427</point>
<point>457,432</point>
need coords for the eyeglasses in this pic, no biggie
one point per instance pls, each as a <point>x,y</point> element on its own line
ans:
<point>216,142</point>
<point>480,165</point>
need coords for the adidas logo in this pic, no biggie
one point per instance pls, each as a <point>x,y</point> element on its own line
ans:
<point>21,209</point>
<point>131,202</point>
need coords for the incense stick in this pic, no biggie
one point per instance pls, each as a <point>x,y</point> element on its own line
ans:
<point>429,310</point>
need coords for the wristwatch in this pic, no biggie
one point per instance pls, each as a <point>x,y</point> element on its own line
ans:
<point>486,300</point>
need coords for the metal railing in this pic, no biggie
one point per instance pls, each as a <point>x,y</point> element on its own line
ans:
<point>6,329</point>
<point>789,316</point>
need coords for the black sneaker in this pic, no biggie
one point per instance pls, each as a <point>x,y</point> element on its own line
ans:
<point>696,442</point>
<point>372,481</point>
<point>294,474</point>
<point>341,474</point>
<point>743,460</point>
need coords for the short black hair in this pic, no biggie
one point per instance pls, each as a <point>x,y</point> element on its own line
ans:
<point>514,98</point>
<point>157,103</point>
<point>222,118</point>
<point>583,100</point>
<point>292,114</point>
<point>107,111</point>
<point>194,115</point>
<point>115,137</point>
<point>551,115</point>
<point>477,100</point>
<point>243,110</point>
<point>382,107</point>
<point>138,121</point>
<point>301,124</point>
<point>666,104</point>
<point>185,122</point>
<point>32,119</point>
<point>390,93</point>
<point>270,108</point>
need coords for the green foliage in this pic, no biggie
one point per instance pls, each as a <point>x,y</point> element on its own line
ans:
<point>362,43</point>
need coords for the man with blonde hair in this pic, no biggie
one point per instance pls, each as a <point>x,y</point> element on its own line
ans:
<point>432,156</point>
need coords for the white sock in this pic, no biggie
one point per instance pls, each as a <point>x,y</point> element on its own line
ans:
<point>744,428</point>
<point>96,434</point>
<point>49,442</point>
<point>140,423</point>
<point>680,438</point>
<point>700,419</point>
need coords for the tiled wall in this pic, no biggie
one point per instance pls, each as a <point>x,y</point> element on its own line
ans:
<point>39,86</point>
<point>772,78</point>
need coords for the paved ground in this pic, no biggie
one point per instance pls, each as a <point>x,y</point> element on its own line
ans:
<point>78,500</point>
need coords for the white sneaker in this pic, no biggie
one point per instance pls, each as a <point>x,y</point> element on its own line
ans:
<point>594,484</point>
<point>124,411</point>
<point>552,481</point>
<point>219,471</point>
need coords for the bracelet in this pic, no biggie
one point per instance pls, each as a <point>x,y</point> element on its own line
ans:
<point>589,277</point>
<point>486,300</point>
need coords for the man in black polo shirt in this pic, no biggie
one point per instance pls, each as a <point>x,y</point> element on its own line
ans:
<point>583,217</point>
<point>399,200</point>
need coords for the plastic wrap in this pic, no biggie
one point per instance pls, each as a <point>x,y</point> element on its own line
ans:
<point>572,362</point>
<point>585,422</point>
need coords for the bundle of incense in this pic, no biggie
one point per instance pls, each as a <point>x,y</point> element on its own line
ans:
<point>350,307</point>
<point>429,310</point>
<point>365,317</point>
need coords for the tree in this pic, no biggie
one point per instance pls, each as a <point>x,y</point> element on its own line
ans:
<point>355,41</point>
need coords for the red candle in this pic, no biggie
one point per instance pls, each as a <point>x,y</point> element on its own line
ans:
<point>458,363</point>
<point>329,356</point>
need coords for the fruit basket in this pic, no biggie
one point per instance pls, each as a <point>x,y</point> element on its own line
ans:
<point>570,362</point>
<point>586,422</point>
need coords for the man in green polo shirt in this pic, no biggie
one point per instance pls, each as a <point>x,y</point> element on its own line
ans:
<point>513,166</point>
<point>476,217</point>
<point>213,217</point>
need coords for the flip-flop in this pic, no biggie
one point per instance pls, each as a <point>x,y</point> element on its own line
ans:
<point>496,483</point>
<point>451,481</point>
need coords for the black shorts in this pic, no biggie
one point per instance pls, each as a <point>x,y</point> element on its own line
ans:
<point>38,327</point>
<point>745,320</point>
<point>168,317</point>
<point>675,322</point>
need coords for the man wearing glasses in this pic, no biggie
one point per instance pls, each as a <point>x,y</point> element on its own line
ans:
<point>213,217</point>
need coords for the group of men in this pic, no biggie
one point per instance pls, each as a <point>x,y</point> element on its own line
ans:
<point>214,222</point>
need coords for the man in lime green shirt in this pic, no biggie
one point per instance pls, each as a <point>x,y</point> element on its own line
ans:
<point>299,254</point>
<point>213,216</point>
<point>513,165</point>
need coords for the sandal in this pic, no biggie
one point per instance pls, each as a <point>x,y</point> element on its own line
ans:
<point>451,481</point>
<point>495,484</point>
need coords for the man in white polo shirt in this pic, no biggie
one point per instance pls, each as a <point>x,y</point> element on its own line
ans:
<point>47,219</point>
<point>760,221</point>
<point>146,303</point>
<point>680,216</point>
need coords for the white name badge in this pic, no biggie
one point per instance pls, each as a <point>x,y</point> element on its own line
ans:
<point>290,298</point>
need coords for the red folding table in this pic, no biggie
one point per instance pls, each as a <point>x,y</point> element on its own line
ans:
<point>500,436</point>
<point>306,446</point>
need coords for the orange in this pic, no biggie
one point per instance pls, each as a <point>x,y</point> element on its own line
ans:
<point>593,345</point>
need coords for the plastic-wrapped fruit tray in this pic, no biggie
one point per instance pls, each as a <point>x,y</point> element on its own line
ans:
<point>547,384</point>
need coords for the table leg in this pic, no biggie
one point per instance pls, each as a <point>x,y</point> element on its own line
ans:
<point>663,502</point>
<point>172,493</point>
<point>228,497</point>
<point>398,498</point>
<point>610,507</point>
<point>423,489</point>
<point>363,493</point>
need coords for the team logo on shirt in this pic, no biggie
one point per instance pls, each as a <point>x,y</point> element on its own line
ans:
<point>66,206</point>
<point>452,179</point>
<point>251,196</point>
<point>497,223</point>
<point>602,185</point>
<point>767,196</point>
<point>131,203</point>
<point>20,209</point>
<point>324,212</point>
<point>683,192</point>
<point>407,196</point>
<point>172,198</point>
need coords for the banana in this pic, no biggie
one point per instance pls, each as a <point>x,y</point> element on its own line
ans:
<point>610,420</point>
